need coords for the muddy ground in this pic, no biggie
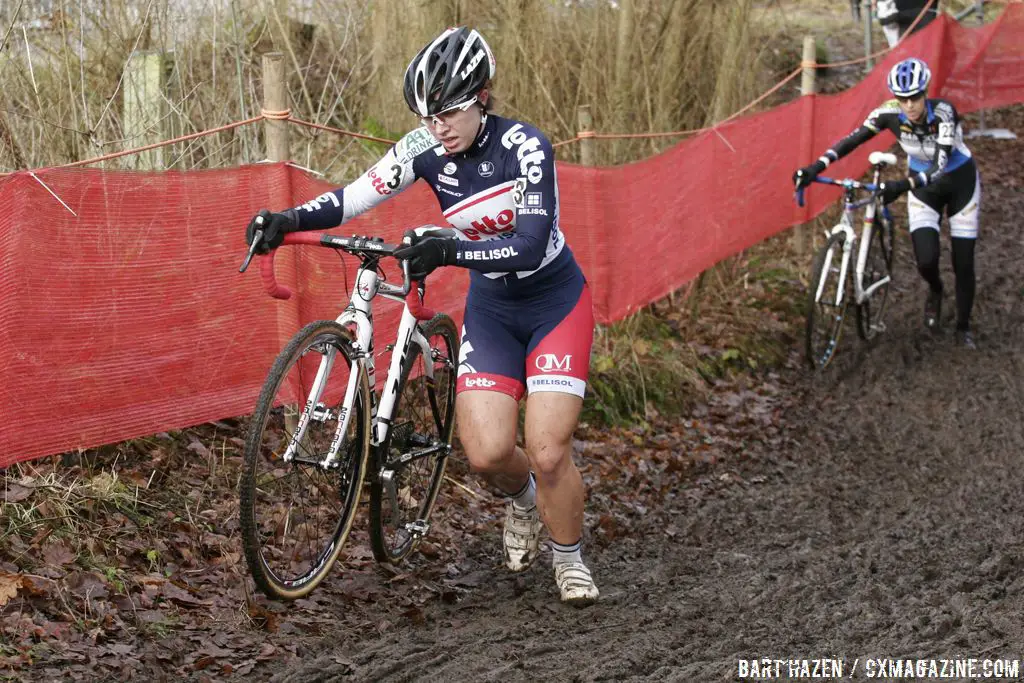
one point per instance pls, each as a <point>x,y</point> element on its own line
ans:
<point>871,511</point>
<point>880,516</point>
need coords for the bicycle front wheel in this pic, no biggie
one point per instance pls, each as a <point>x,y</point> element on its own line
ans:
<point>825,308</point>
<point>871,313</point>
<point>297,507</point>
<point>412,459</point>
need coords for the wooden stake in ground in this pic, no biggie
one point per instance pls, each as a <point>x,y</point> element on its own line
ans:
<point>807,87</point>
<point>144,109</point>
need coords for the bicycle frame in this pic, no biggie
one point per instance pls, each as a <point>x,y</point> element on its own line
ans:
<point>846,226</point>
<point>358,314</point>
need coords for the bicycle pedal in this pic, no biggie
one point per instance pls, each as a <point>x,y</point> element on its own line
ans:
<point>418,529</point>
<point>420,440</point>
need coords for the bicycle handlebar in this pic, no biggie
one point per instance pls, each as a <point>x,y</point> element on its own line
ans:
<point>846,183</point>
<point>355,245</point>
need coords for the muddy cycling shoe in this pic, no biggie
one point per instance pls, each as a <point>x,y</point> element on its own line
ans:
<point>521,537</point>
<point>933,310</point>
<point>965,339</point>
<point>575,584</point>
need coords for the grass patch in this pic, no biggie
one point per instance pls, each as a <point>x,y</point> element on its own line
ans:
<point>740,317</point>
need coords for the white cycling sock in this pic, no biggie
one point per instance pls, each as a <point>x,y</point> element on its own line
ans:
<point>566,553</point>
<point>526,498</point>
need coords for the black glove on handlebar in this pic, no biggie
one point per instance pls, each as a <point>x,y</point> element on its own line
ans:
<point>891,190</point>
<point>274,226</point>
<point>802,177</point>
<point>425,254</point>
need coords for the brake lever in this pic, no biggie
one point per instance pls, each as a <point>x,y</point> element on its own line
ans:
<point>257,236</point>
<point>406,281</point>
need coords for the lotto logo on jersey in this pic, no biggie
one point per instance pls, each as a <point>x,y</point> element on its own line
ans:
<point>385,186</point>
<point>530,154</point>
<point>486,226</point>
<point>479,383</point>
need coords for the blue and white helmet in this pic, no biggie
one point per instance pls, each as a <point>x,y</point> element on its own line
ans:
<point>908,78</point>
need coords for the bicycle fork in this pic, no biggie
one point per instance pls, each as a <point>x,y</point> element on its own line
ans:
<point>315,410</point>
<point>844,264</point>
<point>862,259</point>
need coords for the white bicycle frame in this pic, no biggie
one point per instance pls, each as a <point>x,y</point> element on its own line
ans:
<point>359,313</point>
<point>845,226</point>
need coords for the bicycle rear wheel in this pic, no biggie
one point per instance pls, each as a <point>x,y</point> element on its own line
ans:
<point>412,459</point>
<point>871,313</point>
<point>295,516</point>
<point>824,315</point>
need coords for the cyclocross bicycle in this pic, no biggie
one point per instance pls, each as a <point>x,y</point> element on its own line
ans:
<point>831,287</point>
<point>319,430</point>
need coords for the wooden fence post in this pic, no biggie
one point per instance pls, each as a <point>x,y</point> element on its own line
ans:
<point>275,99</point>
<point>585,122</point>
<point>808,77</point>
<point>144,107</point>
<point>869,16</point>
<point>807,87</point>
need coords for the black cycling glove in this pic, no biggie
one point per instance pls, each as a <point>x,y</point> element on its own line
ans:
<point>891,190</point>
<point>274,226</point>
<point>425,254</point>
<point>802,177</point>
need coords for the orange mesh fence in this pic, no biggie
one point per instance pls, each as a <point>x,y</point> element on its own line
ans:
<point>122,312</point>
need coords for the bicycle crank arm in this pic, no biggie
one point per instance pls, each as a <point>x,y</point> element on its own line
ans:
<point>313,462</point>
<point>875,285</point>
<point>442,448</point>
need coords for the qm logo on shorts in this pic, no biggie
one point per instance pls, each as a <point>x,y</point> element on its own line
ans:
<point>549,362</point>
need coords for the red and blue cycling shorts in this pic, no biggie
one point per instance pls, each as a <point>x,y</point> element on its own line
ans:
<point>528,336</point>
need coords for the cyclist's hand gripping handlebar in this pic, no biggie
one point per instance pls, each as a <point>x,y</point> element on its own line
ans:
<point>416,290</point>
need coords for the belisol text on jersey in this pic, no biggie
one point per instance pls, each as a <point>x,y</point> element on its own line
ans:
<point>504,252</point>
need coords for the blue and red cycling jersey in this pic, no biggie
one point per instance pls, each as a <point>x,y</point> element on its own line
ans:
<point>529,322</point>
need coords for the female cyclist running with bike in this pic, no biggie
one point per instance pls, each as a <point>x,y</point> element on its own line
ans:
<point>528,325</point>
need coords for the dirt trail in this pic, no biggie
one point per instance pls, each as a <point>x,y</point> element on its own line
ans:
<point>884,519</point>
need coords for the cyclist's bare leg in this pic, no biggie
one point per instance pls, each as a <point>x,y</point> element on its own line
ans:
<point>551,419</point>
<point>487,423</point>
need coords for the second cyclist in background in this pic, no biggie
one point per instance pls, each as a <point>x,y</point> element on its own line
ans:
<point>943,179</point>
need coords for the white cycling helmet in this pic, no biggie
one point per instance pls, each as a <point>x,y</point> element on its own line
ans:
<point>908,78</point>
